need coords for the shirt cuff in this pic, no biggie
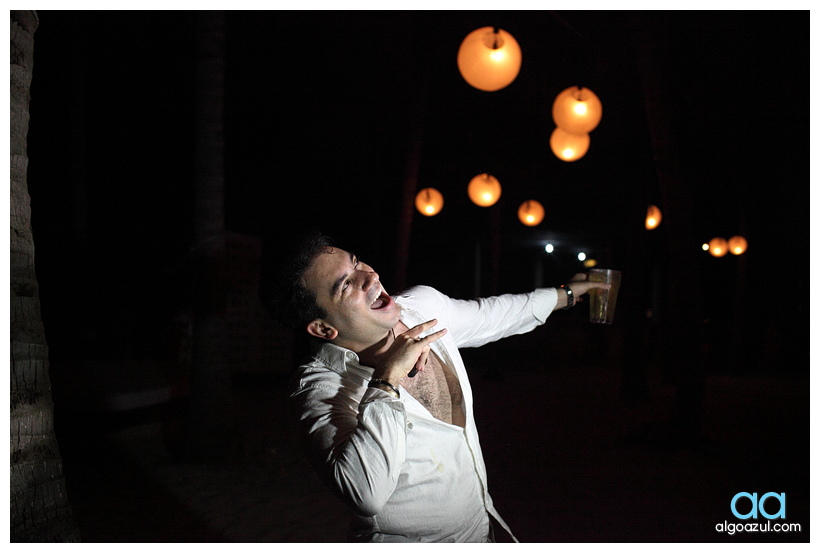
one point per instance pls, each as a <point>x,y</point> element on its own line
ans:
<point>543,303</point>
<point>378,395</point>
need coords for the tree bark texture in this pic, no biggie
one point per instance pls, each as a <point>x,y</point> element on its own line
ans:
<point>408,198</point>
<point>682,330</point>
<point>210,429</point>
<point>40,511</point>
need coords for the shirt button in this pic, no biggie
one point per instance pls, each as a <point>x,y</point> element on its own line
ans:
<point>409,425</point>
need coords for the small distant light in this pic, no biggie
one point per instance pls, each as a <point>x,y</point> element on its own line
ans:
<point>589,263</point>
<point>653,217</point>
<point>737,245</point>
<point>582,256</point>
<point>718,246</point>
<point>531,213</point>
<point>705,247</point>
<point>429,202</point>
<point>548,248</point>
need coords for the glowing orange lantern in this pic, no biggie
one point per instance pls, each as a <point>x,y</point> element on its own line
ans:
<point>429,201</point>
<point>718,247</point>
<point>489,59</point>
<point>737,245</point>
<point>567,146</point>
<point>653,217</point>
<point>577,110</point>
<point>531,213</point>
<point>484,190</point>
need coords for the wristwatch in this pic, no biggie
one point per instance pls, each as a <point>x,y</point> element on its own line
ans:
<point>570,296</point>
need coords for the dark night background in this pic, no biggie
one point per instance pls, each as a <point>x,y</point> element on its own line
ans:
<point>322,111</point>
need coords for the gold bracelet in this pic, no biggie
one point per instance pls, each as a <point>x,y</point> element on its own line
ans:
<point>393,391</point>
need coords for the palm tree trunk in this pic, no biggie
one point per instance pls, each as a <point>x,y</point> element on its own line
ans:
<point>211,401</point>
<point>40,511</point>
<point>408,199</point>
<point>681,337</point>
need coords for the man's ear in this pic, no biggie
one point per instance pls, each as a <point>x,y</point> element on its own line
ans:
<point>320,329</point>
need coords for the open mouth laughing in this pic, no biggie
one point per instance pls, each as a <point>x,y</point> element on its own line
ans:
<point>381,301</point>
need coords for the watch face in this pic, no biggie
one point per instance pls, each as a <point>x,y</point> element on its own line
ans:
<point>570,297</point>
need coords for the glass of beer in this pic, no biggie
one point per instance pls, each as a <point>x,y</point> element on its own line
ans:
<point>602,302</point>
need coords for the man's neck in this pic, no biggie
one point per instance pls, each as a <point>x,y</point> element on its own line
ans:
<point>371,355</point>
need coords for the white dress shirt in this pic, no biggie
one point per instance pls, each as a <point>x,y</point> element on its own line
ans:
<point>407,475</point>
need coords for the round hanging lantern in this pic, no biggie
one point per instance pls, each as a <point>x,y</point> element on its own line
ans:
<point>484,190</point>
<point>718,247</point>
<point>737,245</point>
<point>653,217</point>
<point>567,146</point>
<point>531,213</point>
<point>489,59</point>
<point>429,201</point>
<point>577,110</point>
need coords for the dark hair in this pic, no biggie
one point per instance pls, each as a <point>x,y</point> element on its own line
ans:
<point>280,284</point>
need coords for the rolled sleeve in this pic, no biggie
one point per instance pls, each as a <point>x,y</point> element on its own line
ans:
<point>357,444</point>
<point>544,301</point>
<point>473,323</point>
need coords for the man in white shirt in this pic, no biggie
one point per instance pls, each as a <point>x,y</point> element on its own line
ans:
<point>384,403</point>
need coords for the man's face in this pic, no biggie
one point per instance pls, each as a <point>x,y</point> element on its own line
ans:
<point>359,311</point>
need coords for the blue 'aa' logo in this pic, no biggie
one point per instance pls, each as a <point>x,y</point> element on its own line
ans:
<point>759,506</point>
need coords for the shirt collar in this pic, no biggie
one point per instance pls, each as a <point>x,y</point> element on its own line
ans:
<point>336,357</point>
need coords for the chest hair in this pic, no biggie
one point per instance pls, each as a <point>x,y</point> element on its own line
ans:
<point>438,389</point>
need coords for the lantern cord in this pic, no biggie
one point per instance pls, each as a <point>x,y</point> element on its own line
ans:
<point>567,25</point>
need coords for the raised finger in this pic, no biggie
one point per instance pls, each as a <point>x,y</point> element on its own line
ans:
<point>418,329</point>
<point>430,338</point>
